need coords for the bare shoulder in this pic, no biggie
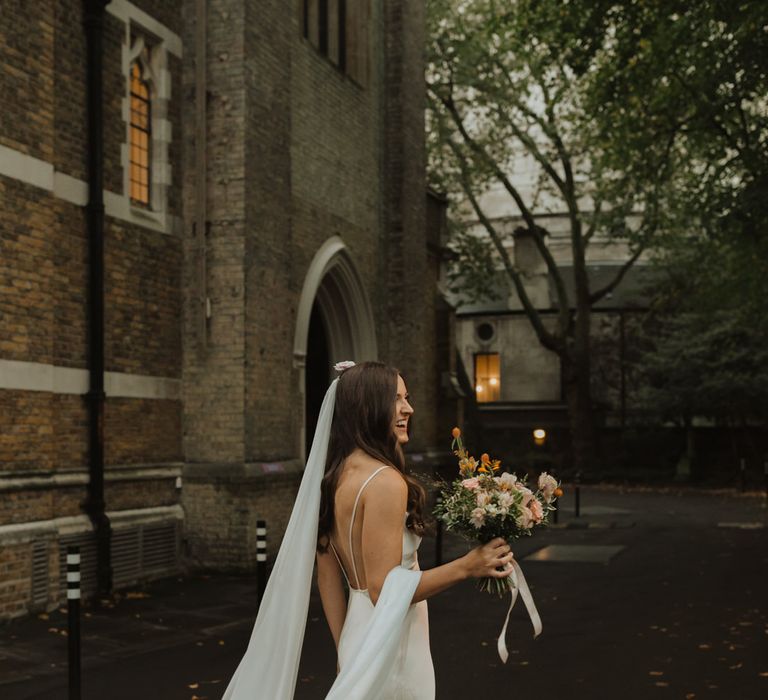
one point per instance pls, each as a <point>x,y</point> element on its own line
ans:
<point>388,486</point>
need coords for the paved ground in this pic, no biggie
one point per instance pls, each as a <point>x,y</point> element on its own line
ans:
<point>680,611</point>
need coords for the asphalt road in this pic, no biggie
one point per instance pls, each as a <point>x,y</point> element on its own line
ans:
<point>680,611</point>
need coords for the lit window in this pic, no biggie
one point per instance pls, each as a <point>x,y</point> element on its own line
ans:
<point>140,139</point>
<point>487,379</point>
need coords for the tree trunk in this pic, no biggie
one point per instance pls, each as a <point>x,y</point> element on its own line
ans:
<point>576,367</point>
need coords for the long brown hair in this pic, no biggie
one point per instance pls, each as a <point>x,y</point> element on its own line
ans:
<point>362,418</point>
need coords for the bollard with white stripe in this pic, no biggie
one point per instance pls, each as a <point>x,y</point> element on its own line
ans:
<point>261,557</point>
<point>73,610</point>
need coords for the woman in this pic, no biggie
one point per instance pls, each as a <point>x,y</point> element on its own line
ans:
<point>381,636</point>
<point>371,521</point>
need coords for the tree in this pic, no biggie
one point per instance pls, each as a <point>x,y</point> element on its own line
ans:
<point>699,70</point>
<point>514,77</point>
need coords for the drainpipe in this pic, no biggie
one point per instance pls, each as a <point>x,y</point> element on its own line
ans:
<point>94,506</point>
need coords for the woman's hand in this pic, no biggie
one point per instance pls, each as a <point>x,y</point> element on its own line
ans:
<point>486,559</point>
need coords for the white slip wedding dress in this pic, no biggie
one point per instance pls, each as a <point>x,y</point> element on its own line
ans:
<point>413,676</point>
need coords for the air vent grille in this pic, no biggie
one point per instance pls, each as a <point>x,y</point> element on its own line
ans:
<point>40,574</point>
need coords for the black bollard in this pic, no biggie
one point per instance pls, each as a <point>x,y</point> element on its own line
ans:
<point>743,470</point>
<point>555,514</point>
<point>73,612</point>
<point>261,557</point>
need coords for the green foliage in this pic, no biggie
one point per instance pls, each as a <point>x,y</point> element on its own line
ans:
<point>472,270</point>
<point>709,365</point>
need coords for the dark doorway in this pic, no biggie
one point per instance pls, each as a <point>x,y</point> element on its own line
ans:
<point>317,373</point>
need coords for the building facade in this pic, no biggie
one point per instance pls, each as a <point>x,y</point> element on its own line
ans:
<point>518,383</point>
<point>265,214</point>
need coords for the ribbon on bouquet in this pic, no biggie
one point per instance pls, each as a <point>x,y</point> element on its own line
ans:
<point>518,583</point>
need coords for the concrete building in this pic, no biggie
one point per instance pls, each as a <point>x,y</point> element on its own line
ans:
<point>265,214</point>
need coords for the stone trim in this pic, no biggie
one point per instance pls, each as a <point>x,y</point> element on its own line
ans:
<point>37,376</point>
<point>39,173</point>
<point>154,62</point>
<point>129,13</point>
<point>80,478</point>
<point>19,533</point>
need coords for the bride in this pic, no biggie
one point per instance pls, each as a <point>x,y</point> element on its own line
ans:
<point>361,517</point>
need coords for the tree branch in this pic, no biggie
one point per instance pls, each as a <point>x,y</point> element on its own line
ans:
<point>546,338</point>
<point>600,293</point>
<point>535,230</point>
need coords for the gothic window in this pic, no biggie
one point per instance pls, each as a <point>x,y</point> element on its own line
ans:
<point>487,377</point>
<point>140,136</point>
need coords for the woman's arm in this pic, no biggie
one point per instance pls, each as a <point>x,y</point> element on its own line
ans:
<point>331,592</point>
<point>384,511</point>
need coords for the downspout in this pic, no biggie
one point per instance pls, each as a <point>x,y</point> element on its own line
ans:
<point>201,173</point>
<point>94,505</point>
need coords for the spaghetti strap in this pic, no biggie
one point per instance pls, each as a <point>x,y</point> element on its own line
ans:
<point>341,566</point>
<point>352,521</point>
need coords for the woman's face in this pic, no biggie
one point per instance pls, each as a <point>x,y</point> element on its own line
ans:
<point>403,412</point>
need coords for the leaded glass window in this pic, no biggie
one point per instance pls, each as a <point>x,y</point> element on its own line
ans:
<point>140,137</point>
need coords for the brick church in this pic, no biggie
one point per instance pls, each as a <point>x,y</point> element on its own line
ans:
<point>204,205</point>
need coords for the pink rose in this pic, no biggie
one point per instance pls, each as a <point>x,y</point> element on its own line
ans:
<point>527,493</point>
<point>525,518</point>
<point>536,511</point>
<point>470,484</point>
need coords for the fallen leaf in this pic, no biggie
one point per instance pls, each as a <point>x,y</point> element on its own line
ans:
<point>736,666</point>
<point>655,673</point>
<point>193,685</point>
<point>523,663</point>
<point>764,674</point>
<point>137,595</point>
<point>690,696</point>
<point>705,646</point>
<point>43,616</point>
<point>662,684</point>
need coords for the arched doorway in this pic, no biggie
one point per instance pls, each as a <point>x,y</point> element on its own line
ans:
<point>334,322</point>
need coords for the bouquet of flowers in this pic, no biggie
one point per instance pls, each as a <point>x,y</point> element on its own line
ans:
<point>485,503</point>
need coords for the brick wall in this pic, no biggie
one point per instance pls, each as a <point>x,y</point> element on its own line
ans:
<point>15,580</point>
<point>43,292</point>
<point>222,505</point>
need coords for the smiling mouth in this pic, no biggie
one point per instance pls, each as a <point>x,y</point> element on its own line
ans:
<point>402,424</point>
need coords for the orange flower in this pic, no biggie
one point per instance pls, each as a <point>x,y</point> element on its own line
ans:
<point>557,492</point>
<point>483,470</point>
<point>456,433</point>
<point>484,458</point>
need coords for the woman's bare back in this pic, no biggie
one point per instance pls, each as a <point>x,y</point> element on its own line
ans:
<point>358,469</point>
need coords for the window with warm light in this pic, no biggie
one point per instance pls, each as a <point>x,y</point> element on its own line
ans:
<point>487,377</point>
<point>140,137</point>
